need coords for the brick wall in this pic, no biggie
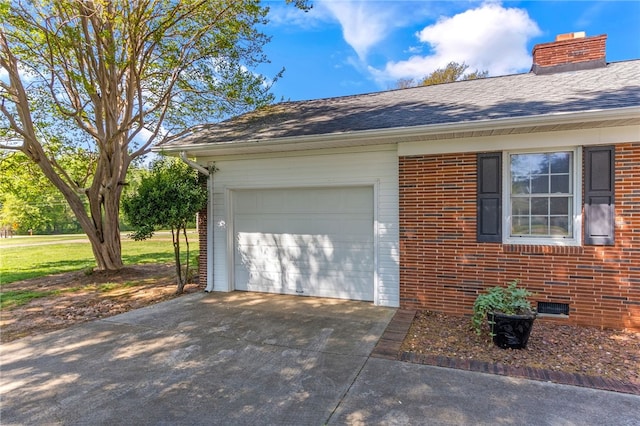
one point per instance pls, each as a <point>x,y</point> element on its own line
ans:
<point>443,268</point>
<point>573,50</point>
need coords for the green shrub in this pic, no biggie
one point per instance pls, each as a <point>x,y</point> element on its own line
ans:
<point>510,300</point>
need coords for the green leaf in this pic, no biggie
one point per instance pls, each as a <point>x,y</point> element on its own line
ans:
<point>510,300</point>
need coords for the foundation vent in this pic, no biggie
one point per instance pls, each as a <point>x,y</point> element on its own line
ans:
<point>550,308</point>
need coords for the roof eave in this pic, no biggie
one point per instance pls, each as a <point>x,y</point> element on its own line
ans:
<point>396,134</point>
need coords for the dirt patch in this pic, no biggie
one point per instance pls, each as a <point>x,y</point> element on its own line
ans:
<point>590,351</point>
<point>77,297</point>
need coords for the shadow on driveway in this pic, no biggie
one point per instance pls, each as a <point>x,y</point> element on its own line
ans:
<point>219,358</point>
<point>263,359</point>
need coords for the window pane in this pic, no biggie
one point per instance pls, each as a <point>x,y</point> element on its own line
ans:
<point>540,184</point>
<point>520,225</point>
<point>560,205</point>
<point>560,226</point>
<point>560,184</point>
<point>540,206</point>
<point>520,206</point>
<point>520,185</point>
<point>539,225</point>
<point>527,164</point>
<point>542,164</point>
<point>560,162</point>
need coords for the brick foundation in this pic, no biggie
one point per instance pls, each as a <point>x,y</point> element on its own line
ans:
<point>443,268</point>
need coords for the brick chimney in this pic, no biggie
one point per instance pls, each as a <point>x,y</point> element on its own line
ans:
<point>570,52</point>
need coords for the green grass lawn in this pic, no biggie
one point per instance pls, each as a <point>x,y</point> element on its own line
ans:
<point>34,239</point>
<point>30,257</point>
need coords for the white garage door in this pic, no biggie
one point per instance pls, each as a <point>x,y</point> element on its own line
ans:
<point>311,241</point>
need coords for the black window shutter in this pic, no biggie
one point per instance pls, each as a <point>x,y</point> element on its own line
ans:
<point>599,195</point>
<point>489,222</point>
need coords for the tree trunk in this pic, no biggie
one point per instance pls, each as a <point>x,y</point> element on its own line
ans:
<point>107,252</point>
<point>180,281</point>
<point>104,208</point>
<point>101,225</point>
<point>186,268</point>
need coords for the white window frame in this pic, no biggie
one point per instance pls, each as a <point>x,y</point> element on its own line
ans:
<point>576,238</point>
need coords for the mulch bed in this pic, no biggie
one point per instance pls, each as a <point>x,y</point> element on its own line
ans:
<point>583,356</point>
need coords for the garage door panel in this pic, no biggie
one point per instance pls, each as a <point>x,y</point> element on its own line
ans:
<point>271,202</point>
<point>316,241</point>
<point>323,243</point>
<point>306,200</point>
<point>324,286</point>
<point>357,201</point>
<point>294,275</point>
<point>274,257</point>
<point>246,203</point>
<point>319,243</point>
<point>353,229</point>
<point>263,281</point>
<point>336,227</point>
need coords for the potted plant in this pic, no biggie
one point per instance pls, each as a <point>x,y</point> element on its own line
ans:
<point>509,314</point>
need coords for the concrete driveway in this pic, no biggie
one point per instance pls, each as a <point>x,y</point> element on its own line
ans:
<point>258,359</point>
<point>243,358</point>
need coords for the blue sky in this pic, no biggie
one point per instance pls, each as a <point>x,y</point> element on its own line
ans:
<point>344,47</point>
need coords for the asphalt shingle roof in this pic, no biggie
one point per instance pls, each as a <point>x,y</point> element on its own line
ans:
<point>513,96</point>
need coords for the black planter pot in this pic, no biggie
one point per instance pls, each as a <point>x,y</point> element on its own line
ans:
<point>510,331</point>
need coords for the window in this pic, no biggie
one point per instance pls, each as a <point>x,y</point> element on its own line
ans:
<point>541,197</point>
<point>534,197</point>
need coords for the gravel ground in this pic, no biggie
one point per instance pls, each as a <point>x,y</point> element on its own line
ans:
<point>591,351</point>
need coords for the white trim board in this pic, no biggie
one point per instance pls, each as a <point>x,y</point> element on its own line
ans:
<point>377,169</point>
<point>599,136</point>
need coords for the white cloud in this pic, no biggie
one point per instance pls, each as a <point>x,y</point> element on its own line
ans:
<point>490,37</point>
<point>363,24</point>
<point>487,36</point>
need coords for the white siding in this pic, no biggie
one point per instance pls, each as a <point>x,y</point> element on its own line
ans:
<point>378,169</point>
